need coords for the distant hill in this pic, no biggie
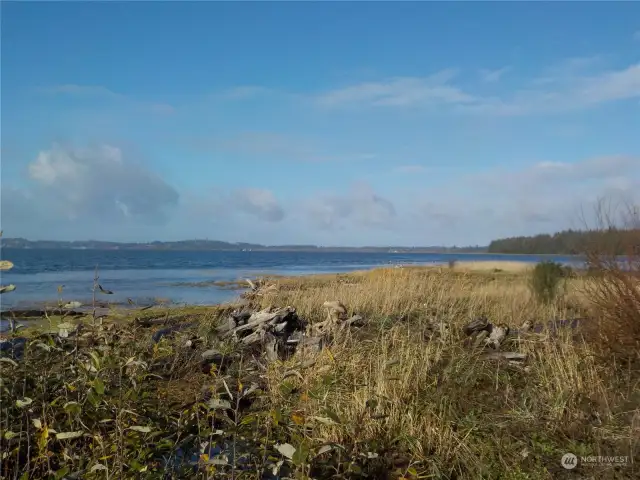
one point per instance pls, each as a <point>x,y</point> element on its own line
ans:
<point>569,242</point>
<point>203,245</point>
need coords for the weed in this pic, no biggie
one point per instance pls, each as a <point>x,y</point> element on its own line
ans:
<point>546,279</point>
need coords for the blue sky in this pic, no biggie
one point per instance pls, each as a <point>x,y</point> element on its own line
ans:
<point>327,123</point>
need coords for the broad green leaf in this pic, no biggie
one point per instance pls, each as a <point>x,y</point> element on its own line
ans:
<point>324,449</point>
<point>325,420</point>
<point>140,428</point>
<point>62,473</point>
<point>98,466</point>
<point>24,402</point>
<point>7,288</point>
<point>216,403</point>
<point>286,449</point>
<point>72,408</point>
<point>98,386</point>
<point>68,435</point>
<point>43,346</point>
<point>301,454</point>
<point>36,423</point>
<point>95,360</point>
<point>8,435</point>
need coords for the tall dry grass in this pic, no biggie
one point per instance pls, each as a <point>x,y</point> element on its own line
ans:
<point>429,405</point>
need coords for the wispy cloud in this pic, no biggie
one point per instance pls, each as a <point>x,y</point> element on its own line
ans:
<point>399,92</point>
<point>571,85</point>
<point>492,76</point>
<point>241,92</point>
<point>102,92</point>
<point>79,90</point>
<point>410,169</point>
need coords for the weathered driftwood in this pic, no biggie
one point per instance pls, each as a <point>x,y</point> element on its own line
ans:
<point>258,288</point>
<point>477,325</point>
<point>526,326</point>
<point>511,356</point>
<point>336,309</point>
<point>497,335</point>
<point>480,338</point>
<point>214,357</point>
<point>279,332</point>
<point>265,317</point>
<point>271,347</point>
<point>552,326</point>
<point>485,334</point>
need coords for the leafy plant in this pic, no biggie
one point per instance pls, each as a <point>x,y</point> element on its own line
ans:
<point>546,279</point>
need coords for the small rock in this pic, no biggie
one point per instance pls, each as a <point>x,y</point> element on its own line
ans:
<point>212,356</point>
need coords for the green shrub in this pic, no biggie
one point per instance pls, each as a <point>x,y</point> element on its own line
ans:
<point>546,279</point>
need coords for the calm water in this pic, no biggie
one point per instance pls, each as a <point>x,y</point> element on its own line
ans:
<point>144,275</point>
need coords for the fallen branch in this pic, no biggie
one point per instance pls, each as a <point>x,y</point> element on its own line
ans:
<point>504,356</point>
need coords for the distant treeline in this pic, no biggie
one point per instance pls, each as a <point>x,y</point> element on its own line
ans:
<point>217,245</point>
<point>570,242</point>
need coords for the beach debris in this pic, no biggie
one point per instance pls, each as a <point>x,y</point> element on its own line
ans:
<point>72,305</point>
<point>104,290</point>
<point>511,356</point>
<point>477,325</point>
<point>270,328</point>
<point>337,319</point>
<point>280,332</point>
<point>497,334</point>
<point>482,333</point>
<point>258,288</point>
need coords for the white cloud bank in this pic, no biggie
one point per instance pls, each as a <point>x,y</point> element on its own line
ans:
<point>101,192</point>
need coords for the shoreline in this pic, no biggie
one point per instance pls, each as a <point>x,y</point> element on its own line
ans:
<point>301,363</point>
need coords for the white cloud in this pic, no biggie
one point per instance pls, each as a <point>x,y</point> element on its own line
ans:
<point>260,203</point>
<point>361,205</point>
<point>492,76</point>
<point>98,184</point>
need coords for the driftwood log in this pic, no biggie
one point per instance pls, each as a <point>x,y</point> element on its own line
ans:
<point>280,332</point>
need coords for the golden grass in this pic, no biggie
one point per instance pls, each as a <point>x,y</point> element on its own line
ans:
<point>494,266</point>
<point>432,403</point>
